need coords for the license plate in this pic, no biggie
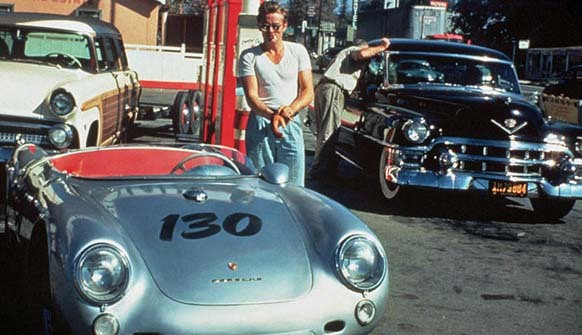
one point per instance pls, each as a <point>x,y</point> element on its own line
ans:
<point>508,188</point>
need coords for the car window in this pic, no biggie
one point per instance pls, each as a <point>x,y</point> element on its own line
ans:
<point>120,51</point>
<point>66,49</point>
<point>6,43</point>
<point>465,71</point>
<point>107,56</point>
<point>371,78</point>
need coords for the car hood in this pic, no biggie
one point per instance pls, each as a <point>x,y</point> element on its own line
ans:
<point>473,112</point>
<point>26,85</point>
<point>232,248</point>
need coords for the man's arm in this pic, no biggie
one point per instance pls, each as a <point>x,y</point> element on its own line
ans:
<point>251,88</point>
<point>369,52</point>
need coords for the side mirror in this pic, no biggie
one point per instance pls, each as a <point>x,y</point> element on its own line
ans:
<point>276,173</point>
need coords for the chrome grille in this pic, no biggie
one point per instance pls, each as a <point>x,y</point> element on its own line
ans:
<point>11,138</point>
<point>14,131</point>
<point>505,160</point>
<point>488,158</point>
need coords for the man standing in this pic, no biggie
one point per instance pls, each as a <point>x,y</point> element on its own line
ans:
<point>338,81</point>
<point>276,78</point>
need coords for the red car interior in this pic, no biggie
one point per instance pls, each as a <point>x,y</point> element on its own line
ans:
<point>118,162</point>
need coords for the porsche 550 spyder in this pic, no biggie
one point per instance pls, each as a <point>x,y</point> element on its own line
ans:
<point>186,240</point>
<point>462,126</point>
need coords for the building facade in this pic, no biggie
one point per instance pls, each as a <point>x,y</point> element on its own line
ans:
<point>407,22</point>
<point>137,20</point>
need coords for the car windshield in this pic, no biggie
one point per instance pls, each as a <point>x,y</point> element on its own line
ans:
<point>68,50</point>
<point>464,71</point>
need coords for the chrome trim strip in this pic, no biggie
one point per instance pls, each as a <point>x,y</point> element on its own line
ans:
<point>451,55</point>
<point>342,156</point>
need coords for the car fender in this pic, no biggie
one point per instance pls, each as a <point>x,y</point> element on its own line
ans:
<point>324,222</point>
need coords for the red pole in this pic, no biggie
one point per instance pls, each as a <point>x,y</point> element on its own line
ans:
<point>227,120</point>
<point>216,78</point>
<point>209,68</point>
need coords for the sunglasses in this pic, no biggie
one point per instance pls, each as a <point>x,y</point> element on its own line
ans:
<point>266,26</point>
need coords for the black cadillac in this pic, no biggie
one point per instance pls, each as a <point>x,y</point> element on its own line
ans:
<point>458,123</point>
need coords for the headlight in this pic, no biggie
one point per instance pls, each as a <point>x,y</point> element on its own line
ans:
<point>61,136</point>
<point>105,324</point>
<point>416,131</point>
<point>554,139</point>
<point>62,102</point>
<point>361,263</point>
<point>102,274</point>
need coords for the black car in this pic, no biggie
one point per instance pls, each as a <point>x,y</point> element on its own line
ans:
<point>327,57</point>
<point>563,101</point>
<point>466,128</point>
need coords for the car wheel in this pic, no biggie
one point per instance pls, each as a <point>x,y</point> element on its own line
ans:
<point>390,190</point>
<point>182,107</point>
<point>196,113</point>
<point>551,208</point>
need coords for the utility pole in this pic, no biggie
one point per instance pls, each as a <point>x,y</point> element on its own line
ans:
<point>355,14</point>
<point>319,27</point>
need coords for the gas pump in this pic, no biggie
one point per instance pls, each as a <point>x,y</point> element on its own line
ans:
<point>219,77</point>
<point>225,109</point>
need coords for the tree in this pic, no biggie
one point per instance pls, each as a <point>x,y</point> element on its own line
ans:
<point>298,11</point>
<point>344,13</point>
<point>499,24</point>
<point>186,6</point>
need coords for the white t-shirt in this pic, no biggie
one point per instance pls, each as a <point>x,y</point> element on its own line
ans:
<point>344,70</point>
<point>278,83</point>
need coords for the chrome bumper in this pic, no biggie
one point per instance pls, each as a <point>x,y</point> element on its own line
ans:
<point>550,170</point>
<point>468,182</point>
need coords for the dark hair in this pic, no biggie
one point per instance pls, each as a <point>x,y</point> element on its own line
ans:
<point>360,42</point>
<point>269,7</point>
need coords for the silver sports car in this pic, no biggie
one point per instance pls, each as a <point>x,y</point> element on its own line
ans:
<point>186,240</point>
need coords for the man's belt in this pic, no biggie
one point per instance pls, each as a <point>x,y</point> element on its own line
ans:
<point>325,80</point>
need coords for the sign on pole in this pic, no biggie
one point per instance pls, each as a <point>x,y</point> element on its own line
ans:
<point>355,14</point>
<point>311,11</point>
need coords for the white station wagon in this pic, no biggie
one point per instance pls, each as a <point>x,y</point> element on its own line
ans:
<point>65,83</point>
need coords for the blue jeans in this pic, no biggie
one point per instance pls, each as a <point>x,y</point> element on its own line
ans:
<point>264,148</point>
